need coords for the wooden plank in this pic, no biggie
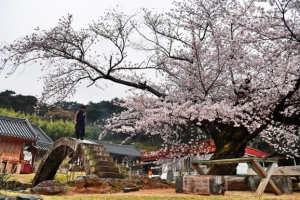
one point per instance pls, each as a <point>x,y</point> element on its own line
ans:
<point>293,171</point>
<point>6,147</point>
<point>259,169</point>
<point>252,168</point>
<point>20,149</point>
<point>273,187</point>
<point>198,169</point>
<point>265,179</point>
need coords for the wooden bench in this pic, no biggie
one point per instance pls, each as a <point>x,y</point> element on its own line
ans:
<point>253,162</point>
<point>291,171</point>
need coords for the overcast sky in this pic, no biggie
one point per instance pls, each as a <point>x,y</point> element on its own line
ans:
<point>19,17</point>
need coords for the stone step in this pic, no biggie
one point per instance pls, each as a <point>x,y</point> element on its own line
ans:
<point>96,152</point>
<point>110,175</point>
<point>102,163</point>
<point>104,169</point>
<point>99,157</point>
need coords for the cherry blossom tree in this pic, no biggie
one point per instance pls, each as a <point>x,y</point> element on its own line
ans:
<point>229,69</point>
<point>70,57</point>
<point>232,69</point>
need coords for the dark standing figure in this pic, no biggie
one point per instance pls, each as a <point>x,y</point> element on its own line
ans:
<point>80,119</point>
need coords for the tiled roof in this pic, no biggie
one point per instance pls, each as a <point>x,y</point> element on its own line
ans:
<point>21,128</point>
<point>118,149</point>
<point>44,141</point>
<point>16,127</point>
<point>43,147</point>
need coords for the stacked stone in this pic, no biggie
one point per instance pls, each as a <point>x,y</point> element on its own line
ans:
<point>100,162</point>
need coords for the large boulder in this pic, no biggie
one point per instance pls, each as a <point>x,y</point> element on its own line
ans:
<point>49,188</point>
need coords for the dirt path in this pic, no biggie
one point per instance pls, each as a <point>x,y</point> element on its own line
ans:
<point>228,194</point>
<point>171,193</point>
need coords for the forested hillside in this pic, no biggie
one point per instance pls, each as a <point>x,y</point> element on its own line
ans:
<point>97,112</point>
<point>55,129</point>
<point>57,121</point>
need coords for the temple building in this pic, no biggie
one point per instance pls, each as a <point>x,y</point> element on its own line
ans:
<point>18,136</point>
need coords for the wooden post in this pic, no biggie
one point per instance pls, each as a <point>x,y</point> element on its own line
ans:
<point>284,183</point>
<point>198,169</point>
<point>179,184</point>
<point>266,175</point>
<point>211,169</point>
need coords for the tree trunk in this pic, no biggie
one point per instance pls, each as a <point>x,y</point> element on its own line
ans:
<point>235,183</point>
<point>230,142</point>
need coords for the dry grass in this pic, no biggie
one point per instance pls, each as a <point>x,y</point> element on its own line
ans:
<point>23,178</point>
<point>27,178</point>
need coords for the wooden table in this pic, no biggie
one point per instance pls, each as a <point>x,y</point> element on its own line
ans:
<point>253,162</point>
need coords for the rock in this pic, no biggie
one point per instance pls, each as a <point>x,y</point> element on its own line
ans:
<point>79,182</point>
<point>23,191</point>
<point>31,197</point>
<point>110,183</point>
<point>130,189</point>
<point>92,181</point>
<point>6,198</point>
<point>49,188</point>
<point>145,180</point>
